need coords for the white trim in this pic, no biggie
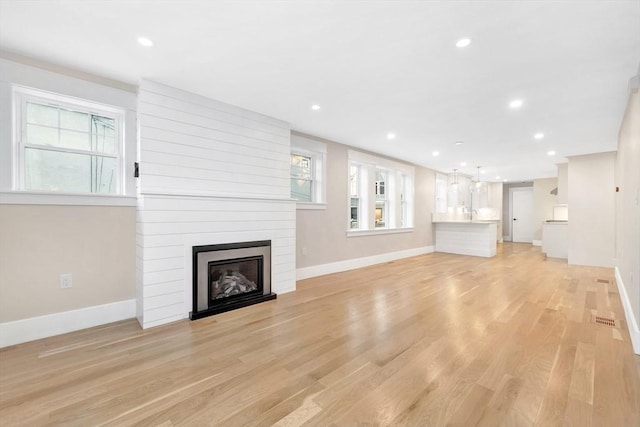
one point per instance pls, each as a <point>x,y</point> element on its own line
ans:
<point>317,151</point>
<point>351,264</point>
<point>536,242</point>
<point>38,198</point>
<point>380,162</point>
<point>311,206</point>
<point>303,143</point>
<point>22,95</point>
<point>358,233</point>
<point>34,328</point>
<point>632,323</point>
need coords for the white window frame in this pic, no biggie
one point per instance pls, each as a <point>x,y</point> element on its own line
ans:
<point>116,95</point>
<point>396,173</point>
<point>363,198</point>
<point>382,193</point>
<point>317,151</point>
<point>22,95</point>
<point>406,200</point>
<point>311,179</point>
<point>441,193</point>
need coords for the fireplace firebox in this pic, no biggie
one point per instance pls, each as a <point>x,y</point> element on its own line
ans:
<point>230,276</point>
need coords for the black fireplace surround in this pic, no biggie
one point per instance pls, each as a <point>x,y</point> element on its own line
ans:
<point>230,276</point>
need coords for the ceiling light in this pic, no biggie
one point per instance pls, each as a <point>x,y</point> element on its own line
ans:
<point>463,164</point>
<point>504,180</point>
<point>145,42</point>
<point>516,103</point>
<point>459,142</point>
<point>551,153</point>
<point>315,107</point>
<point>391,135</point>
<point>539,135</point>
<point>483,172</point>
<point>498,177</point>
<point>435,153</point>
<point>463,42</point>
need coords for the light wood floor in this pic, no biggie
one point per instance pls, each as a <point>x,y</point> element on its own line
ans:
<point>427,341</point>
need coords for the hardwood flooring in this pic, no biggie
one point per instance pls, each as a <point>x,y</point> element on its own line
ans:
<point>432,340</point>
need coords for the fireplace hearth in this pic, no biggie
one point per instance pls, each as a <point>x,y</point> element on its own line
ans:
<point>230,276</point>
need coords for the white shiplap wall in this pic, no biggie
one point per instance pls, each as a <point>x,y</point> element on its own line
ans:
<point>210,173</point>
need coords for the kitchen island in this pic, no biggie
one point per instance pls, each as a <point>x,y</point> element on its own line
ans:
<point>555,239</point>
<point>477,237</point>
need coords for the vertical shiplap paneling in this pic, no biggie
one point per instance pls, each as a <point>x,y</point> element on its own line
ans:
<point>211,173</point>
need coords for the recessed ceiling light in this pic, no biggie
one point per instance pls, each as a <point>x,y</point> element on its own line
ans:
<point>145,42</point>
<point>516,103</point>
<point>315,107</point>
<point>463,163</point>
<point>435,153</point>
<point>459,142</point>
<point>483,171</point>
<point>504,180</point>
<point>539,135</point>
<point>551,153</point>
<point>391,135</point>
<point>498,177</point>
<point>463,42</point>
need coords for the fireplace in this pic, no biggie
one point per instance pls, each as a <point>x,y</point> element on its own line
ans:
<point>230,276</point>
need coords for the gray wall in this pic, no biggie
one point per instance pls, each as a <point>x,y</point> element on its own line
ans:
<point>543,203</point>
<point>592,210</point>
<point>96,244</point>
<point>321,235</point>
<point>627,178</point>
<point>563,186</point>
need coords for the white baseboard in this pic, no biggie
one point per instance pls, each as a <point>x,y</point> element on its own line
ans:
<point>351,264</point>
<point>34,328</point>
<point>632,323</point>
<point>536,242</point>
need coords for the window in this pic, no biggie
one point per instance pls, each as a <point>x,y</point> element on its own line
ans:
<point>301,178</point>
<point>67,146</point>
<point>308,172</point>
<point>382,212</point>
<point>354,196</point>
<point>441,193</point>
<point>380,195</point>
<point>406,201</point>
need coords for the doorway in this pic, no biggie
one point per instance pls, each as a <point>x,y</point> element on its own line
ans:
<point>521,214</point>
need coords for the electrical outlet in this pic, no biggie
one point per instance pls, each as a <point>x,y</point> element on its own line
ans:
<point>66,281</point>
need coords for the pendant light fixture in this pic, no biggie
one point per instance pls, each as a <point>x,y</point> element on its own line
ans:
<point>455,178</point>
<point>478,185</point>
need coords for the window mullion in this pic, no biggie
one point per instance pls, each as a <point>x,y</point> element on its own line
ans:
<point>69,150</point>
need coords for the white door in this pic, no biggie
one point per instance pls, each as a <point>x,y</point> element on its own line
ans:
<point>522,216</point>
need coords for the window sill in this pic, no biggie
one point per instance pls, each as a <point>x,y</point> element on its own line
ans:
<point>310,206</point>
<point>357,233</point>
<point>43,198</point>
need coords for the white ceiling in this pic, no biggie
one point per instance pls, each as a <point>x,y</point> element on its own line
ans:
<point>374,67</point>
